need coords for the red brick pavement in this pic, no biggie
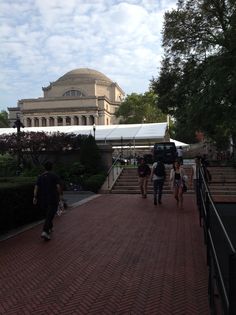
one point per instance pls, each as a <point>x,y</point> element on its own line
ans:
<point>116,254</point>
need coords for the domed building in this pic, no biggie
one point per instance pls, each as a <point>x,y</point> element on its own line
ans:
<point>80,97</point>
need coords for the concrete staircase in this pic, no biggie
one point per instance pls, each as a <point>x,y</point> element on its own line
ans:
<point>222,186</point>
<point>223,183</point>
<point>127,183</point>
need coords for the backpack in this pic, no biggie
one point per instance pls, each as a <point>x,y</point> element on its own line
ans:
<point>160,169</point>
<point>144,170</point>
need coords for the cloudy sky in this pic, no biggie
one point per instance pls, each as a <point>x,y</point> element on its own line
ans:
<point>40,40</point>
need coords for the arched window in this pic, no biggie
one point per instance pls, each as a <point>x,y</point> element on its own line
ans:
<point>83,120</point>
<point>51,121</point>
<point>73,93</point>
<point>59,121</point>
<point>44,122</point>
<point>76,120</point>
<point>36,122</point>
<point>28,122</point>
<point>68,121</point>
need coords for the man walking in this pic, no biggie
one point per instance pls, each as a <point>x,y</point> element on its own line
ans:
<point>143,174</point>
<point>48,193</point>
<point>158,175</point>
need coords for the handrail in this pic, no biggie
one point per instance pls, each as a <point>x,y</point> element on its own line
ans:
<point>224,278</point>
<point>111,171</point>
<point>216,213</point>
<point>219,271</point>
<point>113,164</point>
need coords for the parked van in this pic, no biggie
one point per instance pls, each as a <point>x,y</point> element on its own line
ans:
<point>166,151</point>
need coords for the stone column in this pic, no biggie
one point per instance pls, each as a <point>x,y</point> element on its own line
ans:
<point>96,120</point>
<point>64,120</point>
<point>40,121</point>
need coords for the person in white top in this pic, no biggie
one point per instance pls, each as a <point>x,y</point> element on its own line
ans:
<point>180,155</point>
<point>193,176</point>
<point>177,182</point>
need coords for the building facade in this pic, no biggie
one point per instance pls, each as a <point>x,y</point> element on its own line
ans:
<point>80,97</point>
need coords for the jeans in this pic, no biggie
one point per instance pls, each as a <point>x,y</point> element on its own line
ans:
<point>157,188</point>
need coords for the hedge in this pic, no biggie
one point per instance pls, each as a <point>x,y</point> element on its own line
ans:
<point>16,206</point>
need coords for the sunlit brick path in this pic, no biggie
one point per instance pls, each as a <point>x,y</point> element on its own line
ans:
<point>116,254</point>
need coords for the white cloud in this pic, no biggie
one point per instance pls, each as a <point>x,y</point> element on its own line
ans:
<point>40,40</point>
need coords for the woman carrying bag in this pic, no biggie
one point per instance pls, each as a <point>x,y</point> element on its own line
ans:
<point>177,181</point>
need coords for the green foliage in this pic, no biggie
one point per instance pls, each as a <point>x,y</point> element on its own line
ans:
<point>7,165</point>
<point>198,75</point>
<point>16,206</point>
<point>90,156</point>
<point>76,173</point>
<point>4,122</point>
<point>94,182</point>
<point>34,143</point>
<point>139,108</point>
<point>16,181</point>
<point>70,174</point>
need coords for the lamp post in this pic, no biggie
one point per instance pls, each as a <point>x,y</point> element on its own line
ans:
<point>18,124</point>
<point>94,130</point>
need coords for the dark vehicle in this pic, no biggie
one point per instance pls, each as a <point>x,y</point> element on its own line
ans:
<point>120,160</point>
<point>148,158</point>
<point>166,151</point>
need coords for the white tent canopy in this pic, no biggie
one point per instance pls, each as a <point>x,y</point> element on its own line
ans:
<point>179,144</point>
<point>138,133</point>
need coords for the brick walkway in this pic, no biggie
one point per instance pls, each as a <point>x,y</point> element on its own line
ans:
<point>116,254</point>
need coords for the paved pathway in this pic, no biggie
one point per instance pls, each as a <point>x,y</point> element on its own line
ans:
<point>116,254</point>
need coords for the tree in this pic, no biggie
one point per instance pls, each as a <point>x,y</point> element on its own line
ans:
<point>139,108</point>
<point>33,143</point>
<point>198,73</point>
<point>4,122</point>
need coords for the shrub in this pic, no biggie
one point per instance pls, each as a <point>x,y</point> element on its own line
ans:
<point>94,182</point>
<point>16,206</point>
<point>8,165</point>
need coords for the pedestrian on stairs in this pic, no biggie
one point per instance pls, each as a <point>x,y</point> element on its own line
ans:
<point>144,172</point>
<point>158,175</point>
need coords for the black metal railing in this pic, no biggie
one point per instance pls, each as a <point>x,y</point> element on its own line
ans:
<point>221,254</point>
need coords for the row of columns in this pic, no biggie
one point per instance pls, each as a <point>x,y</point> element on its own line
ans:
<point>60,121</point>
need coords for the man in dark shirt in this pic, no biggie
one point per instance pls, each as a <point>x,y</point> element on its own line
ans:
<point>143,173</point>
<point>47,193</point>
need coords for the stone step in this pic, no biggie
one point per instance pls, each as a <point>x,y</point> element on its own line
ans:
<point>223,182</point>
<point>137,191</point>
<point>131,184</point>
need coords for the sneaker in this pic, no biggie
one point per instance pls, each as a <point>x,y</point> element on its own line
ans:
<point>45,235</point>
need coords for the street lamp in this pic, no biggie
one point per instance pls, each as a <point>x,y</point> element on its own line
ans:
<point>94,130</point>
<point>18,124</point>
